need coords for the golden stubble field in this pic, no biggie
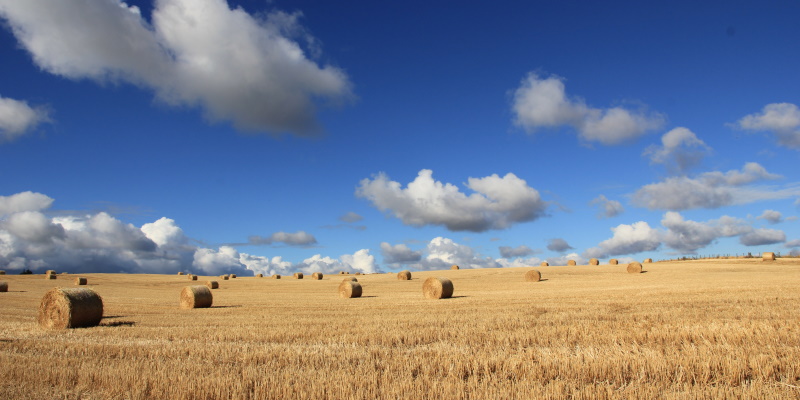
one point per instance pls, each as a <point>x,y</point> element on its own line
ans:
<point>681,330</point>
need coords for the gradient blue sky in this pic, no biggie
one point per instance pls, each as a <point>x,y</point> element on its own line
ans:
<point>265,135</point>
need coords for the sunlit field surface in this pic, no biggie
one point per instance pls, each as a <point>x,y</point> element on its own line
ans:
<point>684,330</point>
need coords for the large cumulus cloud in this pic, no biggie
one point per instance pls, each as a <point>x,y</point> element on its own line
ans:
<point>497,202</point>
<point>253,71</point>
<point>782,119</point>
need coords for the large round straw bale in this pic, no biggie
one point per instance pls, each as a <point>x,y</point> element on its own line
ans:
<point>349,289</point>
<point>634,268</point>
<point>3,286</point>
<point>276,276</point>
<point>613,261</point>
<point>298,275</point>
<point>571,262</point>
<point>259,275</point>
<point>51,276</point>
<point>594,261</point>
<point>533,276</point>
<point>544,264</point>
<point>63,308</point>
<point>192,277</point>
<point>454,267</point>
<point>197,296</point>
<point>437,288</point>
<point>404,275</point>
<point>768,256</point>
<point>2,272</point>
<point>350,278</point>
<point>180,272</point>
<point>233,276</point>
<point>648,260</point>
<point>50,272</point>
<point>316,276</point>
<point>212,284</point>
<point>81,281</point>
<point>224,277</point>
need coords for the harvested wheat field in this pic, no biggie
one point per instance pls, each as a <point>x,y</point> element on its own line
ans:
<point>679,330</point>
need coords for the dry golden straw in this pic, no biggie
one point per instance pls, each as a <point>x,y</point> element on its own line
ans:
<point>594,261</point>
<point>197,296</point>
<point>298,275</point>
<point>571,262</point>
<point>613,261</point>
<point>437,288</point>
<point>50,276</point>
<point>224,277</point>
<point>81,281</point>
<point>768,256</point>
<point>404,275</point>
<point>648,260</point>
<point>259,275</point>
<point>533,276</point>
<point>192,277</point>
<point>316,275</point>
<point>3,286</point>
<point>350,278</point>
<point>454,267</point>
<point>212,284</point>
<point>544,264</point>
<point>63,308</point>
<point>180,272</point>
<point>276,276</point>
<point>349,289</point>
<point>634,268</point>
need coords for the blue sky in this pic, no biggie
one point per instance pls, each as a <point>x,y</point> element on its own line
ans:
<point>213,136</point>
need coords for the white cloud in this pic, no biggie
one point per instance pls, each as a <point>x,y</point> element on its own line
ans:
<point>709,190</point>
<point>627,239</point>
<point>443,253</point>
<point>514,252</point>
<point>164,232</point>
<point>360,261</point>
<point>18,118</point>
<point>792,243</point>
<point>519,262</point>
<point>24,201</point>
<point>300,238</point>
<point>497,202</point>
<point>689,236</point>
<point>399,254</point>
<point>543,103</point>
<point>217,262</point>
<point>771,216</point>
<point>350,217</point>
<point>564,259</point>
<point>783,119</point>
<point>265,82</point>
<point>680,150</point>
<point>607,208</point>
<point>558,244</point>
<point>762,236</point>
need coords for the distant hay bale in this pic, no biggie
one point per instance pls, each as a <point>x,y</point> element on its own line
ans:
<point>224,277</point>
<point>544,264</point>
<point>594,261</point>
<point>276,276</point>
<point>63,308</point>
<point>2,272</point>
<point>180,272</point>
<point>350,278</point>
<point>192,277</point>
<point>454,267</point>
<point>768,256</point>
<point>50,276</point>
<point>81,281</point>
<point>571,262</point>
<point>212,284</point>
<point>197,296</point>
<point>533,276</point>
<point>316,276</point>
<point>298,275</point>
<point>404,275</point>
<point>3,286</point>
<point>437,288</point>
<point>634,268</point>
<point>341,272</point>
<point>349,289</point>
<point>233,276</point>
<point>259,275</point>
<point>50,272</point>
<point>648,260</point>
<point>359,273</point>
<point>613,261</point>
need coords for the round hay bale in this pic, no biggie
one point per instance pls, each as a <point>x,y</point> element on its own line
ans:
<point>233,276</point>
<point>259,275</point>
<point>648,260</point>
<point>212,284</point>
<point>197,296</point>
<point>316,276</point>
<point>349,289</point>
<point>2,272</point>
<point>341,272</point>
<point>192,277</point>
<point>81,281</point>
<point>276,276</point>
<point>51,276</point>
<point>63,308</point>
<point>437,288</point>
<point>613,261</point>
<point>454,267</point>
<point>350,278</point>
<point>571,262</point>
<point>634,268</point>
<point>768,256</point>
<point>404,275</point>
<point>50,272</point>
<point>359,273</point>
<point>224,277</point>
<point>3,286</point>
<point>180,272</point>
<point>298,275</point>
<point>544,264</point>
<point>594,261</point>
<point>533,276</point>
